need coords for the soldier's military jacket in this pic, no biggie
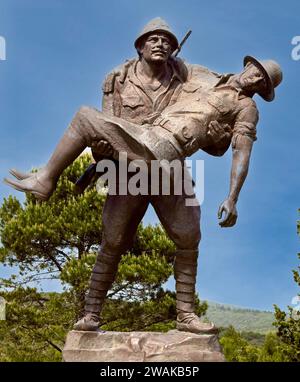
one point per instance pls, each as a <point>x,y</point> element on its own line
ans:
<point>125,96</point>
<point>188,120</point>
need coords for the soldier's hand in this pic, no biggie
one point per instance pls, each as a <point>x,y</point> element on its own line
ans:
<point>102,148</point>
<point>228,207</point>
<point>219,133</point>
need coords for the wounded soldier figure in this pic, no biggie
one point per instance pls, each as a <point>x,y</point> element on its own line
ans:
<point>178,132</point>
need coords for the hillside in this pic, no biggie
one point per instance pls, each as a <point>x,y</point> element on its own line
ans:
<point>241,318</point>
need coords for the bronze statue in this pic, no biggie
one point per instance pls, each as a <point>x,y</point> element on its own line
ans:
<point>158,107</point>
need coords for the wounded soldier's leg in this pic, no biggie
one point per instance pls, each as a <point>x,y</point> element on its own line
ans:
<point>76,138</point>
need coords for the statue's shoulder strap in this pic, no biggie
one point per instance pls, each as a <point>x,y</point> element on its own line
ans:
<point>119,72</point>
<point>203,74</point>
<point>194,72</point>
<point>181,67</point>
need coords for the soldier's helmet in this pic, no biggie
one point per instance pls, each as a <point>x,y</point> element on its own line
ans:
<point>272,73</point>
<point>156,25</point>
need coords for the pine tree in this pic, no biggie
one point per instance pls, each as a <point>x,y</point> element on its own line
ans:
<point>282,346</point>
<point>59,240</point>
<point>288,324</point>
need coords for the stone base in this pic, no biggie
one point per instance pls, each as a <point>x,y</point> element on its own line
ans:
<point>174,346</point>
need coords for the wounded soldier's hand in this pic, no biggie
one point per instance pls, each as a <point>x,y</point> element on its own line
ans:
<point>101,149</point>
<point>228,207</point>
<point>219,133</point>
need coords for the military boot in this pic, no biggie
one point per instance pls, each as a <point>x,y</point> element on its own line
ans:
<point>103,275</point>
<point>185,271</point>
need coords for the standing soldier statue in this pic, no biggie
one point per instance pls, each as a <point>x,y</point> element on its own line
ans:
<point>138,92</point>
<point>191,106</point>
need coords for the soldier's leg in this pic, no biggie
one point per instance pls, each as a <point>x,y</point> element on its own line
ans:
<point>182,223</point>
<point>76,138</point>
<point>88,126</point>
<point>121,217</point>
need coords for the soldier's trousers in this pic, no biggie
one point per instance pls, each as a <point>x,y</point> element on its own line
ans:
<point>121,216</point>
<point>123,213</point>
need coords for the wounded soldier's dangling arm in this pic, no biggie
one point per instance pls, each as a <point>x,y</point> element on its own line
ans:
<point>240,163</point>
<point>244,134</point>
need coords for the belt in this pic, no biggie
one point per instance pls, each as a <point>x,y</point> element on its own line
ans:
<point>187,143</point>
<point>162,144</point>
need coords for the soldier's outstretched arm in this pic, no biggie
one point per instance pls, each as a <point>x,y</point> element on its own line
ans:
<point>241,153</point>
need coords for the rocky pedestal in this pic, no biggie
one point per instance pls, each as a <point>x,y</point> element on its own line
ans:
<point>174,346</point>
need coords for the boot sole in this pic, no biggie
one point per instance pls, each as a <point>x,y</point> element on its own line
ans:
<point>186,328</point>
<point>38,195</point>
<point>86,327</point>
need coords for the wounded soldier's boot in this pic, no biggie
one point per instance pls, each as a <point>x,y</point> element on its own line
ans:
<point>20,175</point>
<point>42,183</point>
<point>103,275</point>
<point>185,271</point>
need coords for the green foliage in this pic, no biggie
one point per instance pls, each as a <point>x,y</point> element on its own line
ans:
<point>59,240</point>
<point>256,339</point>
<point>288,325</point>
<point>236,348</point>
<point>38,236</point>
<point>150,315</point>
<point>245,320</point>
<point>36,325</point>
<point>274,350</point>
<point>282,346</point>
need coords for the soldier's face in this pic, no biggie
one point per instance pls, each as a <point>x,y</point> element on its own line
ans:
<point>156,48</point>
<point>252,79</point>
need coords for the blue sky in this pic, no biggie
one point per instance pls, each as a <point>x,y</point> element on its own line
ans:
<point>58,53</point>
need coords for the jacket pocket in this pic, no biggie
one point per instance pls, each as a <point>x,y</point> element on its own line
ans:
<point>218,103</point>
<point>130,98</point>
<point>191,87</point>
